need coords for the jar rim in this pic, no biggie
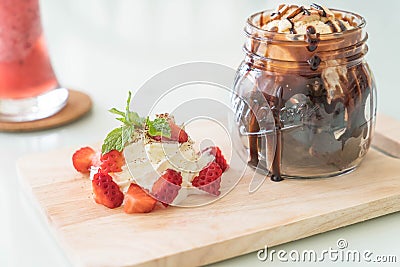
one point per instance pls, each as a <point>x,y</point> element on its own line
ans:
<point>360,25</point>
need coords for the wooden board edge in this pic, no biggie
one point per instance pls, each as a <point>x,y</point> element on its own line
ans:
<point>46,221</point>
<point>387,135</point>
<point>262,238</point>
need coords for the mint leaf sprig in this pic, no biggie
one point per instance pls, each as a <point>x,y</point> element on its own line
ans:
<point>158,127</point>
<point>131,121</point>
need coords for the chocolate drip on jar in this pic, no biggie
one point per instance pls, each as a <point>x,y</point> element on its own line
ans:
<point>253,140</point>
<point>276,107</point>
<point>312,38</point>
<point>314,62</point>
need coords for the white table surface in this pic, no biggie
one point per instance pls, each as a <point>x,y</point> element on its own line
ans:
<point>107,47</point>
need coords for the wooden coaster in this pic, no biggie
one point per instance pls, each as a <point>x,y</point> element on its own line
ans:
<point>78,104</point>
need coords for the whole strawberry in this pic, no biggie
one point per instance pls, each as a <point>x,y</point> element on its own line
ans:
<point>83,159</point>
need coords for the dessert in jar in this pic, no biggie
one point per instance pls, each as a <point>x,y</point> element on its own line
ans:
<point>305,68</point>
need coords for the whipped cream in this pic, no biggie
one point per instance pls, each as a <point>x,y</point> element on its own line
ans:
<point>300,20</point>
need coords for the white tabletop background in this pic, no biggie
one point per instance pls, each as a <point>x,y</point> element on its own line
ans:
<point>107,47</point>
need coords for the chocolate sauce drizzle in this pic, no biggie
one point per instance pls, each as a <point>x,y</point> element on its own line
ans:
<point>290,13</point>
<point>319,8</point>
<point>312,38</point>
<point>253,140</point>
<point>330,24</point>
<point>314,62</point>
<point>276,108</point>
<point>342,26</point>
<point>305,11</point>
<point>295,13</point>
<point>261,19</point>
<point>275,13</point>
<point>292,29</point>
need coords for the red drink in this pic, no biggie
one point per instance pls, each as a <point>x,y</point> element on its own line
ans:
<point>25,69</point>
<point>26,73</point>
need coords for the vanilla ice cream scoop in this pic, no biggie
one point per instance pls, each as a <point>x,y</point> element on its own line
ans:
<point>299,20</point>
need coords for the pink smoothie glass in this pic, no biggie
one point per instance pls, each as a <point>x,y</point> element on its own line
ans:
<point>29,89</point>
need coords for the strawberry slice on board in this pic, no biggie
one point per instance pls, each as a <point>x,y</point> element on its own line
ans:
<point>112,161</point>
<point>209,179</point>
<point>167,186</point>
<point>106,191</point>
<point>82,159</point>
<point>137,200</point>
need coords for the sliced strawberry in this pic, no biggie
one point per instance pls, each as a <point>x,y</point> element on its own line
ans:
<point>219,158</point>
<point>112,161</point>
<point>209,179</point>
<point>177,133</point>
<point>138,201</point>
<point>106,191</point>
<point>166,188</point>
<point>82,159</point>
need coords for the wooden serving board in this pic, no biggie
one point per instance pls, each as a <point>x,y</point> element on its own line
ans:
<point>93,235</point>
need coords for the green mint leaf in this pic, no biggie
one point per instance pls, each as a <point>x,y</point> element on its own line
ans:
<point>135,119</point>
<point>127,132</point>
<point>128,103</point>
<point>119,137</point>
<point>158,127</point>
<point>132,117</point>
<point>123,120</point>
<point>117,112</point>
<point>113,141</point>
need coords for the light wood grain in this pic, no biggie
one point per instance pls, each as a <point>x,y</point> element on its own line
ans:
<point>387,138</point>
<point>238,223</point>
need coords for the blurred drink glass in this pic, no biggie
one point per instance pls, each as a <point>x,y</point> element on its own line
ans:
<point>29,89</point>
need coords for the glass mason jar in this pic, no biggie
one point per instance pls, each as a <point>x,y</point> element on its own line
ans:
<point>319,92</point>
